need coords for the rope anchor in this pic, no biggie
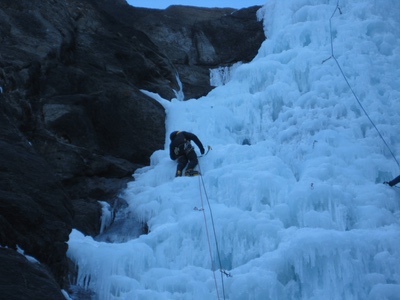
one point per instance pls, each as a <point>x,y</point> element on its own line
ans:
<point>226,273</point>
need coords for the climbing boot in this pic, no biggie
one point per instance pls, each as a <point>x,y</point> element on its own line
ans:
<point>178,173</point>
<point>191,172</point>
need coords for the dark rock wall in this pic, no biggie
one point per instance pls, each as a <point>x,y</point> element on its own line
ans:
<point>22,279</point>
<point>197,39</point>
<point>74,124</point>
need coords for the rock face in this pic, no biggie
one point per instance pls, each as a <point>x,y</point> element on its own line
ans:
<point>197,39</point>
<point>36,281</point>
<point>74,125</point>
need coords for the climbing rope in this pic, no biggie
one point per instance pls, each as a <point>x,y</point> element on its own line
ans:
<point>337,9</point>
<point>202,188</point>
<point>208,237</point>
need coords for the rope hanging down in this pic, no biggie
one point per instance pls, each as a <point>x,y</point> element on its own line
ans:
<point>222,271</point>
<point>337,8</point>
<point>208,237</point>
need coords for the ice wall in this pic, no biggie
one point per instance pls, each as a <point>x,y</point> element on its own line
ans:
<point>294,180</point>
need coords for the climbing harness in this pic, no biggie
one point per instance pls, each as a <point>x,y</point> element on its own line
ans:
<point>337,8</point>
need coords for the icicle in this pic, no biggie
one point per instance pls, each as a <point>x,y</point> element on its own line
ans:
<point>222,75</point>
<point>106,216</point>
<point>179,94</point>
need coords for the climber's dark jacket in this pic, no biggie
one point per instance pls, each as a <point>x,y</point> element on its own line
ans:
<point>180,144</point>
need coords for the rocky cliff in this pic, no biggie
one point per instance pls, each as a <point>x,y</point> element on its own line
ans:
<point>74,125</point>
<point>197,39</point>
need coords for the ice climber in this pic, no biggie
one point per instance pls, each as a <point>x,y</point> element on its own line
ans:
<point>182,150</point>
<point>393,181</point>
